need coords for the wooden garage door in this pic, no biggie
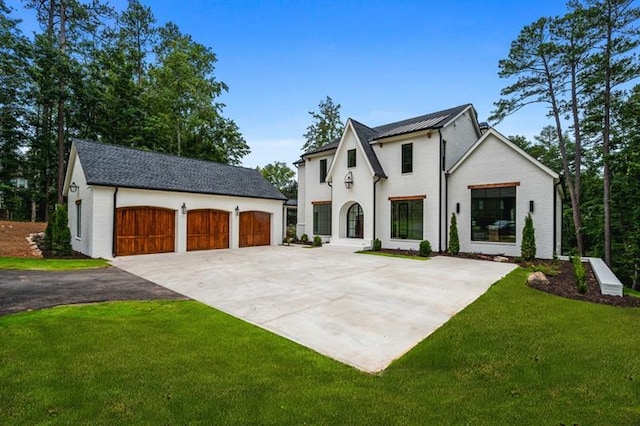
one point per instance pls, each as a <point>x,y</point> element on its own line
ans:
<point>255,229</point>
<point>144,230</point>
<point>207,229</point>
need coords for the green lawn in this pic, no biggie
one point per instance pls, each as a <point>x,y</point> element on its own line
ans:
<point>630,292</point>
<point>50,264</point>
<point>402,256</point>
<point>515,356</point>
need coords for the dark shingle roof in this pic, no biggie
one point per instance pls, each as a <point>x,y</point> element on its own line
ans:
<point>112,165</point>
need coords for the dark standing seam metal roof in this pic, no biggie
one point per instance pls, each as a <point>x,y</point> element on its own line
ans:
<point>435,120</point>
<point>113,165</point>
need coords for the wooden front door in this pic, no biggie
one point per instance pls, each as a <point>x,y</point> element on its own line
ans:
<point>145,230</point>
<point>255,229</point>
<point>207,229</point>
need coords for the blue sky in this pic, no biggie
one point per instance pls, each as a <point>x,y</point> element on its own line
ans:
<point>381,60</point>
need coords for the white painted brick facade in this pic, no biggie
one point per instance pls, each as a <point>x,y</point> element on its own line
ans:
<point>97,212</point>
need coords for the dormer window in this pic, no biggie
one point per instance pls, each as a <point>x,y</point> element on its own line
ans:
<point>351,158</point>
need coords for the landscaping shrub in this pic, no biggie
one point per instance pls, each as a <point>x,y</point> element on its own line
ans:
<point>580,273</point>
<point>425,248</point>
<point>304,238</point>
<point>377,245</point>
<point>317,241</point>
<point>291,233</point>
<point>528,246</point>
<point>58,235</point>
<point>454,241</point>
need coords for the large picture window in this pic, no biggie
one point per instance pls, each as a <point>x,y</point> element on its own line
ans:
<point>493,214</point>
<point>406,219</point>
<point>322,219</point>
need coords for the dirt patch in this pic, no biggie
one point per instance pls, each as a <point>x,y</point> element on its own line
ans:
<point>13,237</point>
<point>564,284</point>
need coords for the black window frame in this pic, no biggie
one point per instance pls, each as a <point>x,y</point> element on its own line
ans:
<point>407,158</point>
<point>78,219</point>
<point>493,214</point>
<point>351,158</point>
<point>323,170</point>
<point>403,210</point>
<point>319,221</point>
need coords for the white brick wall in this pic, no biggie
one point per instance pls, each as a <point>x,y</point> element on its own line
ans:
<point>496,162</point>
<point>97,212</point>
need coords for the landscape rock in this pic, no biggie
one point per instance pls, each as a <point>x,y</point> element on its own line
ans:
<point>501,259</point>
<point>537,278</point>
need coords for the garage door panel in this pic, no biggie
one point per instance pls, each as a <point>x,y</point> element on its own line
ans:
<point>144,230</point>
<point>255,229</point>
<point>207,229</point>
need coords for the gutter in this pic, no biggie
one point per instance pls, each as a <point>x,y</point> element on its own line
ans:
<point>114,233</point>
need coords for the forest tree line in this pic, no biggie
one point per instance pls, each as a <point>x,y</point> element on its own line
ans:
<point>91,72</point>
<point>583,66</point>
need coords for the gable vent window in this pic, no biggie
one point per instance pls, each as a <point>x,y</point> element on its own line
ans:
<point>351,158</point>
<point>407,158</point>
<point>323,170</point>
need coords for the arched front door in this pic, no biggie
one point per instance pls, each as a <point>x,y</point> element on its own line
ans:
<point>355,222</point>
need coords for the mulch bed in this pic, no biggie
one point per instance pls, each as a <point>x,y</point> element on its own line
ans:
<point>564,284</point>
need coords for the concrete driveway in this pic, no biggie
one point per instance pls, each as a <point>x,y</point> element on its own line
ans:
<point>362,310</point>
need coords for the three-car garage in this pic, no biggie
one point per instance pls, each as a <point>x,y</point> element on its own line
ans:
<point>147,229</point>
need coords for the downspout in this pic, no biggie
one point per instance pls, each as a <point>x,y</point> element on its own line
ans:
<point>114,233</point>
<point>446,209</point>
<point>555,217</point>
<point>443,153</point>
<point>374,206</point>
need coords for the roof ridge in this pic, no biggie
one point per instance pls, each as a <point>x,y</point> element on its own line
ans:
<point>446,111</point>
<point>165,154</point>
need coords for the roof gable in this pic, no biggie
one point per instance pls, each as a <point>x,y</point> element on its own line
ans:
<point>507,142</point>
<point>113,165</point>
<point>362,134</point>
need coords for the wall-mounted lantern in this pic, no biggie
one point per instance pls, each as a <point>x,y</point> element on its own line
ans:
<point>458,208</point>
<point>531,206</point>
<point>237,210</point>
<point>348,180</point>
<point>73,187</point>
<point>184,208</point>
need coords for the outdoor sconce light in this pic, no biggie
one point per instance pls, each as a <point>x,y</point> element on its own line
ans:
<point>237,210</point>
<point>348,180</point>
<point>73,187</point>
<point>457,207</point>
<point>531,206</point>
<point>184,208</point>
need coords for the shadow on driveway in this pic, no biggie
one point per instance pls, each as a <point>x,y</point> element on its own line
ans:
<point>29,290</point>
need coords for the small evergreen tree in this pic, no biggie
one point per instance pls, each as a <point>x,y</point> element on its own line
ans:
<point>58,235</point>
<point>454,241</point>
<point>528,246</point>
